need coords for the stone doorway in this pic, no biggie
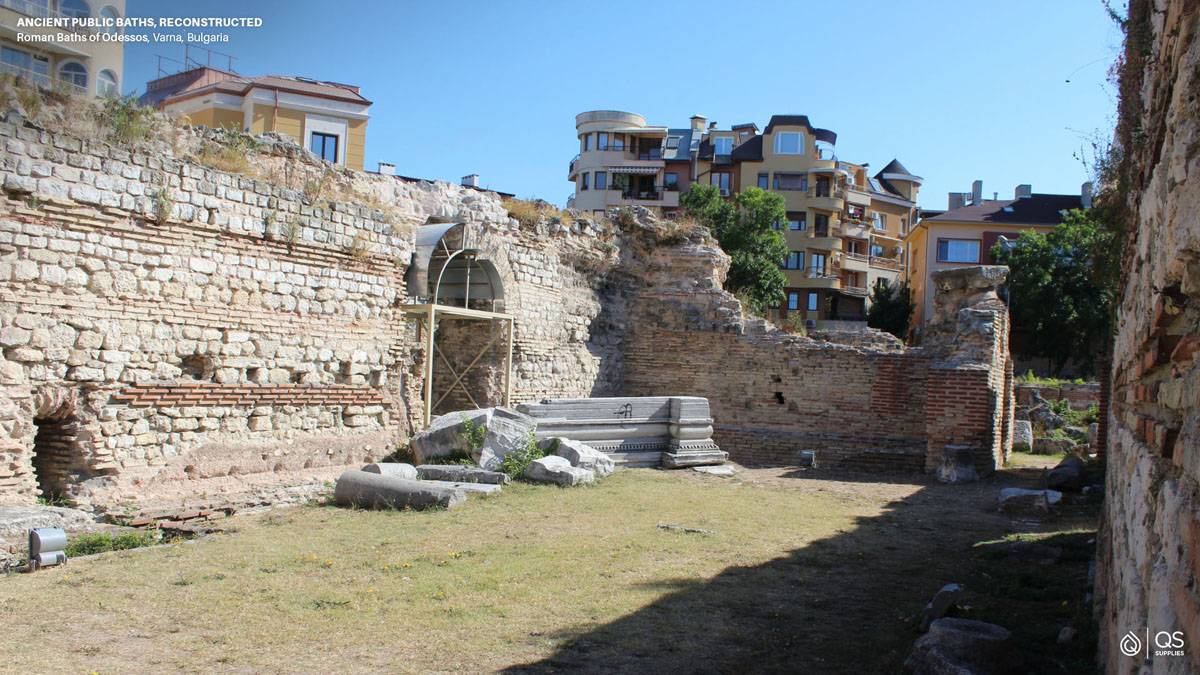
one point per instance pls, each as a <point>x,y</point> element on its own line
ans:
<point>55,443</point>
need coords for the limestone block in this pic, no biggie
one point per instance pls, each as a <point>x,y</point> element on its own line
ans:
<point>584,456</point>
<point>395,469</point>
<point>371,490</point>
<point>1023,436</point>
<point>461,474</point>
<point>1028,502</point>
<point>557,470</point>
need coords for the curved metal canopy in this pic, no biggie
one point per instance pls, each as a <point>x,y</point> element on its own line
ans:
<point>446,265</point>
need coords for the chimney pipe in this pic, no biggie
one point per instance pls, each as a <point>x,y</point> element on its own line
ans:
<point>1023,191</point>
<point>698,122</point>
<point>977,192</point>
<point>1085,194</point>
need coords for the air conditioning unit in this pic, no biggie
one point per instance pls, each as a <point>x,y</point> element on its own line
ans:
<point>810,323</point>
<point>724,192</point>
<point>898,250</point>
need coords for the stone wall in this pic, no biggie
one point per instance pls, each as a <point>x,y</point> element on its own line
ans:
<point>861,405</point>
<point>1078,396</point>
<point>172,329</point>
<point>1148,572</point>
<point>171,332</point>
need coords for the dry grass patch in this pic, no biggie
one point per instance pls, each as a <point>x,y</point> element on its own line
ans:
<point>798,569</point>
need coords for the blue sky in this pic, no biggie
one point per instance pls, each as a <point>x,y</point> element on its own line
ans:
<point>958,90</point>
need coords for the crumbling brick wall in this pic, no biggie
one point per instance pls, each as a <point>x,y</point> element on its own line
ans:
<point>775,395</point>
<point>1148,567</point>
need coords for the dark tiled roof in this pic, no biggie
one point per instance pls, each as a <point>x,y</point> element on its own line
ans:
<point>787,121</point>
<point>202,80</point>
<point>1037,209</point>
<point>750,151</point>
<point>894,166</point>
<point>684,150</point>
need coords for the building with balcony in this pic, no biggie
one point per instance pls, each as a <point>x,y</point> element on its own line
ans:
<point>328,118</point>
<point>624,162</point>
<point>965,233</point>
<point>845,228</point>
<point>75,58</point>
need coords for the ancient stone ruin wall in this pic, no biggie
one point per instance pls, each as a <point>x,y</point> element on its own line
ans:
<point>775,395</point>
<point>1148,572</point>
<point>233,333</point>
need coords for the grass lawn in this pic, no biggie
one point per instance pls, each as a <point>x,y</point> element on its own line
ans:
<point>805,572</point>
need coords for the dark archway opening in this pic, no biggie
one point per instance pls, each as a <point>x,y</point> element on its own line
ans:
<point>53,453</point>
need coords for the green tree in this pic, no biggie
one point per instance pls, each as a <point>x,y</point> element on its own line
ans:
<point>745,231</point>
<point>1061,287</point>
<point>891,308</point>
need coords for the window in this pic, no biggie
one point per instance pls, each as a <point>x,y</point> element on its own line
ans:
<point>671,181</point>
<point>958,250</point>
<point>74,9</point>
<point>880,221</point>
<point>762,180</point>
<point>110,15</point>
<point>876,251</point>
<point>793,301</point>
<point>817,268</point>
<point>791,181</point>
<point>794,261</point>
<point>722,146</point>
<point>106,84</point>
<point>812,302</point>
<point>821,225</point>
<point>73,72</point>
<point>789,143</point>
<point>26,64</point>
<point>721,180</point>
<point>673,141</point>
<point>601,180</point>
<point>618,142</point>
<point>601,144</point>
<point>797,224</point>
<point>325,146</point>
<point>584,185</point>
<point>853,246</point>
<point>904,226</point>
<point>776,226</point>
<point>822,187</point>
<point>587,142</point>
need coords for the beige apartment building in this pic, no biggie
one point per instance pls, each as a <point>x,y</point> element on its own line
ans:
<point>328,118</point>
<point>89,63</point>
<point>965,233</point>
<point>845,226</point>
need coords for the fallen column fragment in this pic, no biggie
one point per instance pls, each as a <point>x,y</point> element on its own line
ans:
<point>372,490</point>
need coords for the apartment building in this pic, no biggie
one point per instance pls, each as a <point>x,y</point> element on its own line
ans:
<point>85,61</point>
<point>328,118</point>
<point>845,227</point>
<point>965,233</point>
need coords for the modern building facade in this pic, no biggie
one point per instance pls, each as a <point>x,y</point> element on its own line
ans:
<point>845,227</point>
<point>966,232</point>
<point>89,64</point>
<point>328,118</point>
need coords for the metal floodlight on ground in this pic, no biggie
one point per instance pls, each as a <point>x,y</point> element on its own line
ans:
<point>46,546</point>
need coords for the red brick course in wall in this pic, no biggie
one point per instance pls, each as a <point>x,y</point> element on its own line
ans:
<point>208,394</point>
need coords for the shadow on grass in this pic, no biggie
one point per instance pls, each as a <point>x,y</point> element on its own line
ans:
<point>845,604</point>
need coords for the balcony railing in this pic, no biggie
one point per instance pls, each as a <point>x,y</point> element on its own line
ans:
<point>651,194</point>
<point>44,80</point>
<point>886,263</point>
<point>43,11</point>
<point>818,273</point>
<point>571,169</point>
<point>857,256</point>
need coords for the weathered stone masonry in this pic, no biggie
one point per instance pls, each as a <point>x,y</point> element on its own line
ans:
<point>253,343</point>
<point>1148,567</point>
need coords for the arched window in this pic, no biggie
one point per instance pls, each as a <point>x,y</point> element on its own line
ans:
<point>106,84</point>
<point>73,72</point>
<point>110,14</point>
<point>74,9</point>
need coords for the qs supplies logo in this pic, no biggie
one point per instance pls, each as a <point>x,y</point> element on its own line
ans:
<point>1162,643</point>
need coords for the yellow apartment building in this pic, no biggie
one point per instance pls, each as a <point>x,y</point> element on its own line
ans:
<point>845,227</point>
<point>78,58</point>
<point>971,226</point>
<point>328,118</point>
